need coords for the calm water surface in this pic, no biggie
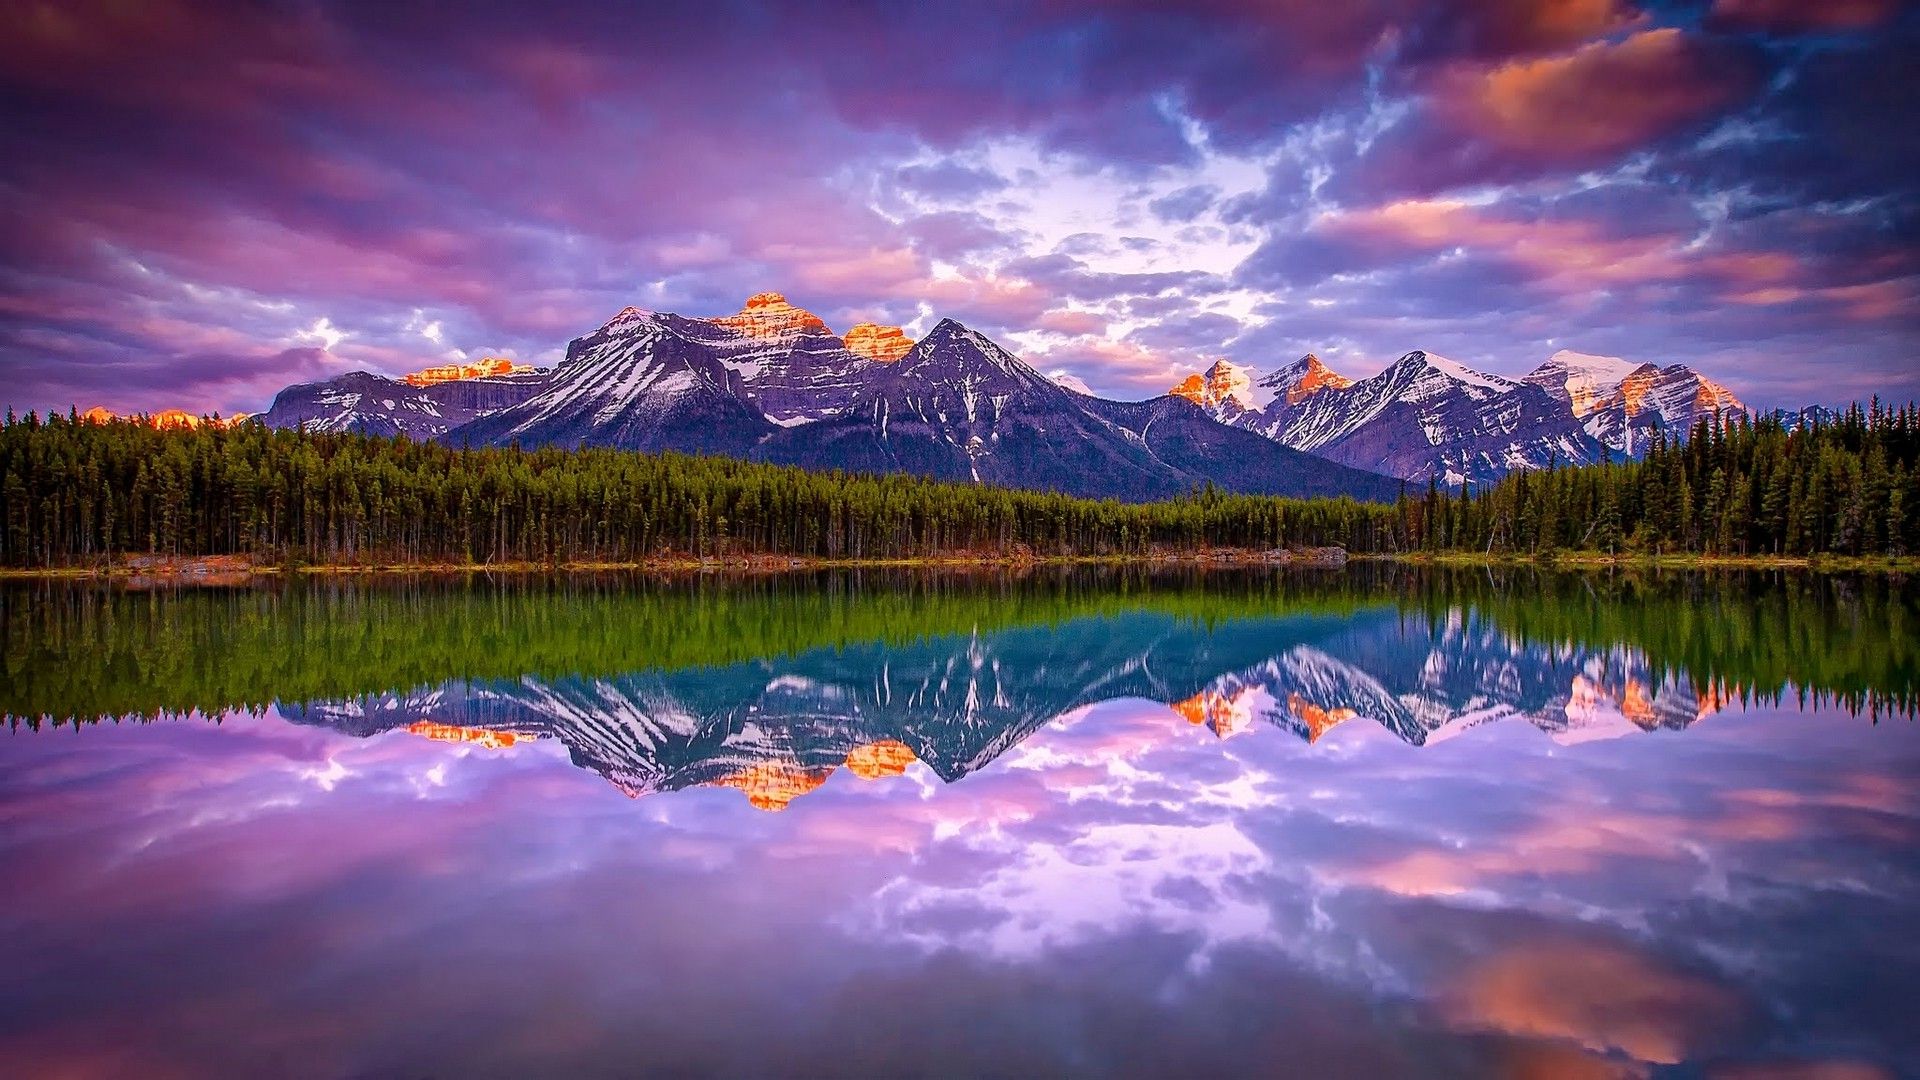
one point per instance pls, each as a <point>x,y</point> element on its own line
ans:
<point>1375,823</point>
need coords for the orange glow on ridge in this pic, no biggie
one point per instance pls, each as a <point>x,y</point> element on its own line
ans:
<point>772,785</point>
<point>888,757</point>
<point>1319,719</point>
<point>1221,714</point>
<point>480,369</point>
<point>486,738</point>
<point>1318,377</point>
<point>164,419</point>
<point>881,343</point>
<point>768,314</point>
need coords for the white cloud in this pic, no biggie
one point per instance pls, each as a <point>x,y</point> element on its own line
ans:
<point>323,332</point>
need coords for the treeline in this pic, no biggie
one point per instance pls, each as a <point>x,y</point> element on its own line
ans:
<point>1742,487</point>
<point>78,492</point>
<point>81,493</point>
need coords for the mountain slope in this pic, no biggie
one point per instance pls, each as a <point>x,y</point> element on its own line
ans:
<point>1189,440</point>
<point>958,407</point>
<point>793,368</point>
<point>1427,417</point>
<point>369,404</point>
<point>1423,418</point>
<point>1621,403</point>
<point>643,381</point>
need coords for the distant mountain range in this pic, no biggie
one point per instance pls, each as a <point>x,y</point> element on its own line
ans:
<point>773,383</point>
<point>370,404</point>
<point>1428,418</point>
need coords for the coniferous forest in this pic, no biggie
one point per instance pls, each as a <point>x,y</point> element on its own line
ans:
<point>80,493</point>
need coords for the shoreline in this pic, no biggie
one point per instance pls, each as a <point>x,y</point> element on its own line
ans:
<point>1597,560</point>
<point>217,570</point>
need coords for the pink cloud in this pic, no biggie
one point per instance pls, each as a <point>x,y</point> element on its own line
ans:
<point>1603,997</point>
<point>1595,102</point>
<point>1067,321</point>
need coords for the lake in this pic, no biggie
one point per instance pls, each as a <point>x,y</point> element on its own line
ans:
<point>1375,822</point>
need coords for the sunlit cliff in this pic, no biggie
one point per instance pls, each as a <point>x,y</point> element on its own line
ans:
<point>875,342</point>
<point>486,367</point>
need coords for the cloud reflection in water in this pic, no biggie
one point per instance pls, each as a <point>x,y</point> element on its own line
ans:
<point>1006,878</point>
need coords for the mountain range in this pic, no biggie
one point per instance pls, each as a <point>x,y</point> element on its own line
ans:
<point>774,383</point>
<point>1428,418</point>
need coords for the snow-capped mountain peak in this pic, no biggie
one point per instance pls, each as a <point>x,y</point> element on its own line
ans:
<point>1226,384</point>
<point>1302,379</point>
<point>951,352</point>
<point>1073,382</point>
<point>1421,375</point>
<point>1602,370</point>
<point>794,369</point>
<point>1458,372</point>
<point>1582,380</point>
<point>627,319</point>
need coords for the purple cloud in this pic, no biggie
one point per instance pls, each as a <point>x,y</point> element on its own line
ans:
<point>194,188</point>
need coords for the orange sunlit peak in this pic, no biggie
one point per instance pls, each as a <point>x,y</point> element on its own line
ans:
<point>768,314</point>
<point>485,738</point>
<point>772,785</point>
<point>1193,388</point>
<point>1318,718</point>
<point>165,418</point>
<point>1713,697</point>
<point>1711,395</point>
<point>486,367</point>
<point>887,757</point>
<point>1634,390</point>
<point>875,342</point>
<point>1222,714</point>
<point>1636,704</point>
<point>1633,700</point>
<point>1318,377</point>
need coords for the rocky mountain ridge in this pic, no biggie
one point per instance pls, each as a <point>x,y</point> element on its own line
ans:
<point>774,382</point>
<point>1428,418</point>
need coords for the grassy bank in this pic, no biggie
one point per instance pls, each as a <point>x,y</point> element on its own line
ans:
<point>229,567</point>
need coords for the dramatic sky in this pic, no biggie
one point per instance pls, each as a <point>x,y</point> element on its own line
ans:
<point>202,202</point>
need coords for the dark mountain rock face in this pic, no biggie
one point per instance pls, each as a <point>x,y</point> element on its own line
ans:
<point>639,383</point>
<point>1426,417</point>
<point>771,384</point>
<point>958,407</point>
<point>1184,437</point>
<point>368,404</point>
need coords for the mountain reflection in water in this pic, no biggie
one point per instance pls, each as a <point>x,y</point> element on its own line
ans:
<point>1377,823</point>
<point>776,728</point>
